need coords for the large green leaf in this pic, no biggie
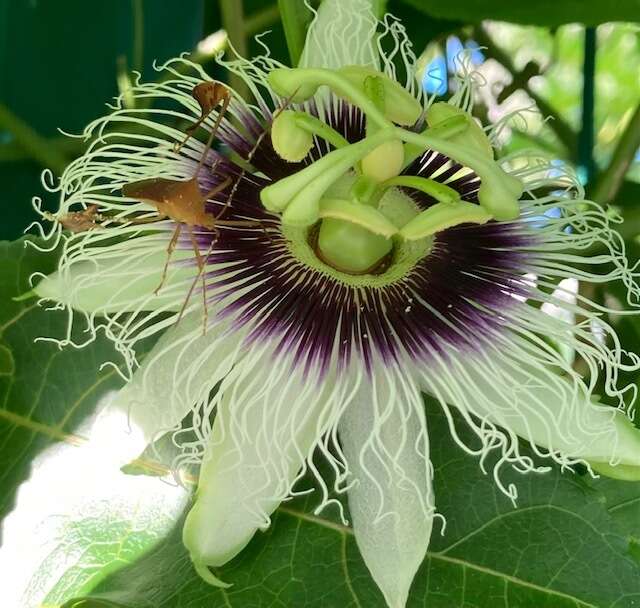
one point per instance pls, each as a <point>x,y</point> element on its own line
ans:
<point>115,539</point>
<point>560,548</point>
<point>89,518</point>
<point>542,12</point>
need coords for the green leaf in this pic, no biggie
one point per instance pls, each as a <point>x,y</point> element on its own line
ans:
<point>88,518</point>
<point>295,20</point>
<point>422,28</point>
<point>623,504</point>
<point>111,539</point>
<point>560,548</point>
<point>542,12</point>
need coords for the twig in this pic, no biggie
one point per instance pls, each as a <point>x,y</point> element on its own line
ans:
<point>295,21</point>
<point>233,23</point>
<point>137,58</point>
<point>587,130</point>
<point>259,21</point>
<point>609,182</point>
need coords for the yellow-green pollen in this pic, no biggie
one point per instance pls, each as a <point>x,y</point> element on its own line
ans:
<point>337,199</point>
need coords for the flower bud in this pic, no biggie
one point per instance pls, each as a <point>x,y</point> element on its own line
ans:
<point>290,141</point>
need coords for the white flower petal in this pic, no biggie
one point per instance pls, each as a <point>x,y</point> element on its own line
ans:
<point>120,280</point>
<point>384,437</point>
<point>342,33</point>
<point>267,424</point>
<point>548,410</point>
<point>177,375</point>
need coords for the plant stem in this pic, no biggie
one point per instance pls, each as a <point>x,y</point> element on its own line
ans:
<point>562,129</point>
<point>609,182</point>
<point>586,137</point>
<point>295,21</point>
<point>137,55</point>
<point>233,23</point>
<point>256,23</point>
<point>32,142</point>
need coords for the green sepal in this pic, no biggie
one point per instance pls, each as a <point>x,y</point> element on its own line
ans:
<point>442,216</point>
<point>208,576</point>
<point>624,472</point>
<point>27,295</point>
<point>360,215</point>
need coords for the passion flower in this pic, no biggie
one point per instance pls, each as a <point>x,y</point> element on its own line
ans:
<point>366,246</point>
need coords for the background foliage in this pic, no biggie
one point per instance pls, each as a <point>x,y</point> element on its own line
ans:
<point>77,531</point>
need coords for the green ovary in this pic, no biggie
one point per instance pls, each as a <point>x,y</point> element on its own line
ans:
<point>337,201</point>
<point>358,243</point>
<point>351,248</point>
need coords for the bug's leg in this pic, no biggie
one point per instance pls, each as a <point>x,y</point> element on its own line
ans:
<point>170,248</point>
<point>189,133</point>
<point>216,124</point>
<point>200,275</point>
<point>217,189</point>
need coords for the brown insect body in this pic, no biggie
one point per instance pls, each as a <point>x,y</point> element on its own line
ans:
<point>182,201</point>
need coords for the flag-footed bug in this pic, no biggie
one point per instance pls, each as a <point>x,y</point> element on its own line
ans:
<point>182,200</point>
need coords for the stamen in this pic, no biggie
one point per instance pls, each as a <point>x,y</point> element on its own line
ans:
<point>441,216</point>
<point>298,195</point>
<point>498,192</point>
<point>292,135</point>
<point>361,215</point>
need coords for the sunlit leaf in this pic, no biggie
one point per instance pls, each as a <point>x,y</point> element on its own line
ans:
<point>560,548</point>
<point>76,517</point>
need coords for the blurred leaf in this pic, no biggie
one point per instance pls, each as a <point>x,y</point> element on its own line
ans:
<point>560,548</point>
<point>542,12</point>
<point>422,28</point>
<point>629,195</point>
<point>295,17</point>
<point>58,64</point>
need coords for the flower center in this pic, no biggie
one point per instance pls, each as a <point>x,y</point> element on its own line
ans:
<point>350,248</point>
<point>342,192</point>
